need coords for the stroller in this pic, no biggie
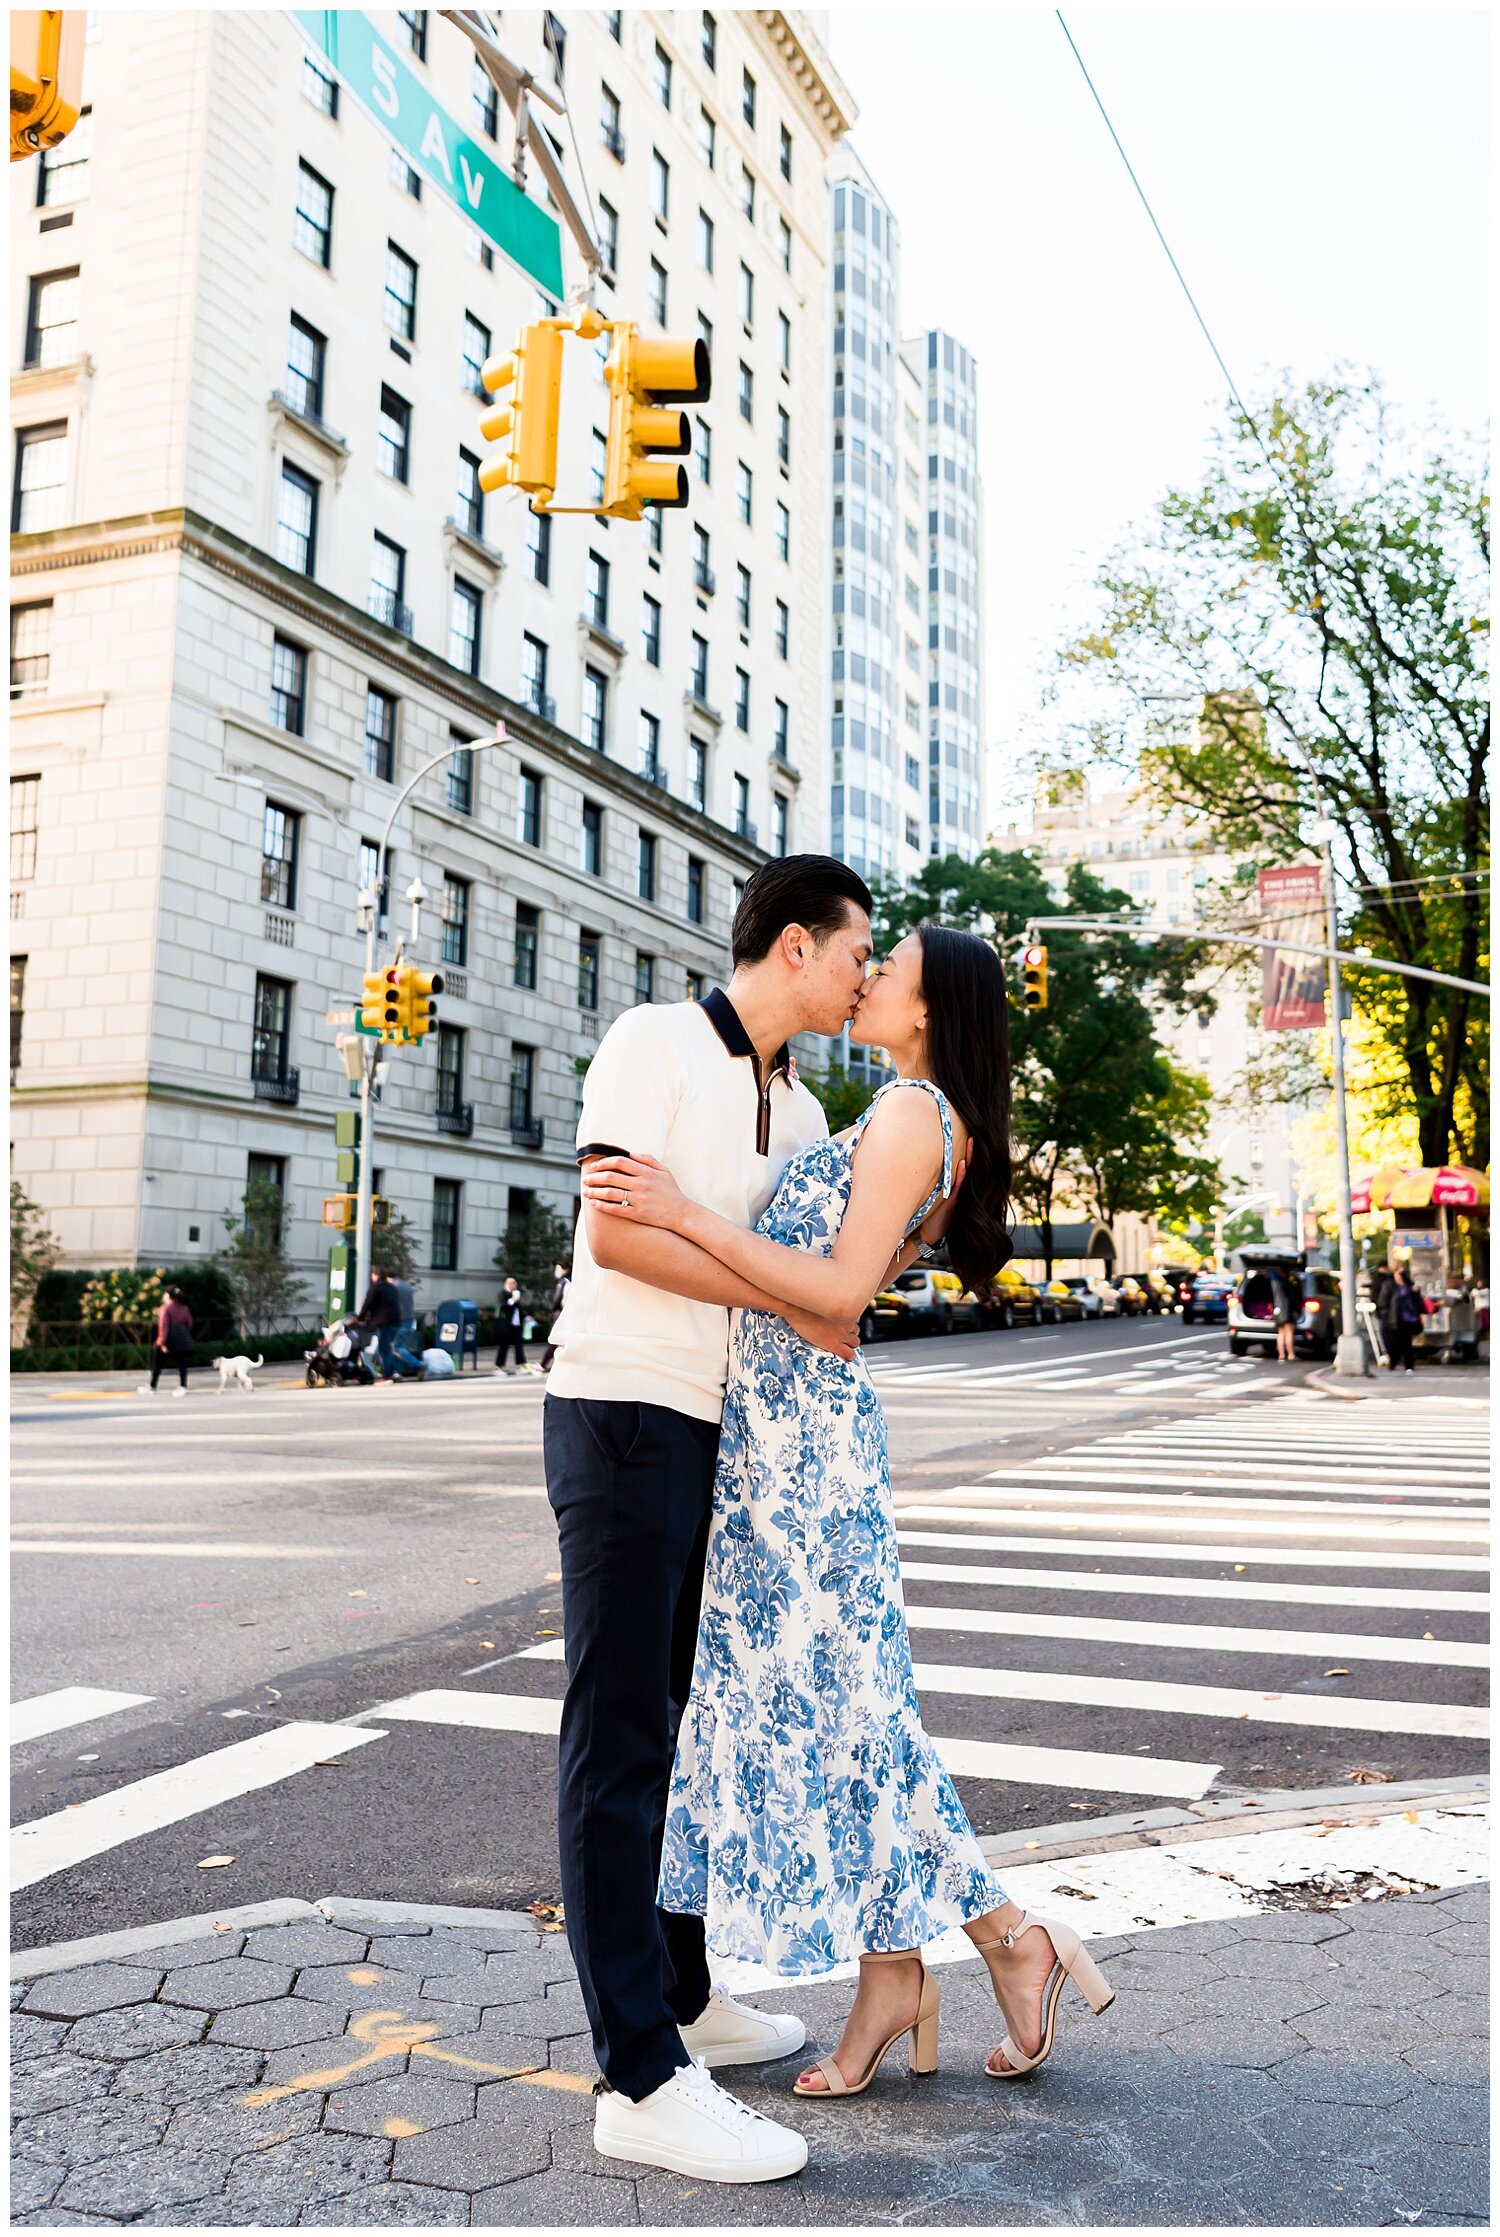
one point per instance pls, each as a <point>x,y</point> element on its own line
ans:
<point>339,1355</point>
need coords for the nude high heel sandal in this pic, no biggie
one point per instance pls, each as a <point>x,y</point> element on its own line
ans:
<point>1073,1962</point>
<point>921,2051</point>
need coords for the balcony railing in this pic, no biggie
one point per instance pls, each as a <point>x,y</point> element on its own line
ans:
<point>527,1133</point>
<point>277,1090</point>
<point>385,606</point>
<point>614,140</point>
<point>541,705</point>
<point>655,774</point>
<point>455,1118</point>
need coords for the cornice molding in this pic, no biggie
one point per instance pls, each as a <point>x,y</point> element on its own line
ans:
<point>810,71</point>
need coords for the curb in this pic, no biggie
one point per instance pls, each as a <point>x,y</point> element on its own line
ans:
<point>1344,1386</point>
<point>1228,1814</point>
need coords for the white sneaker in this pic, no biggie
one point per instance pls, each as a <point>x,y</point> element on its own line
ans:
<point>180,1391</point>
<point>729,2034</point>
<point>693,2127</point>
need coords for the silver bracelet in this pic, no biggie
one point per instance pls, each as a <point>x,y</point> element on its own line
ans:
<point>927,1250</point>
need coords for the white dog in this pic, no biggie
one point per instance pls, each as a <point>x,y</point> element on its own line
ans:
<point>237,1370</point>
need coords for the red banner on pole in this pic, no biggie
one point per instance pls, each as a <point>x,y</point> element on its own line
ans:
<point>1293,987</point>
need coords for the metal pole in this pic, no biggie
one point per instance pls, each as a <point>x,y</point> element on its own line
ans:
<point>1350,1357</point>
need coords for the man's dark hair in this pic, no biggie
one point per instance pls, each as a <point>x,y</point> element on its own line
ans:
<point>811,889</point>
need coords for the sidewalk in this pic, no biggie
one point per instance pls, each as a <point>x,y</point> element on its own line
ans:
<point>349,2064</point>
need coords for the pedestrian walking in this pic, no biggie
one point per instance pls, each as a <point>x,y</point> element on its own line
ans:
<point>403,1340</point>
<point>174,1345</point>
<point>378,1317</point>
<point>512,1317</point>
<point>562,1276</point>
<point>1404,1321</point>
<point>1286,1304</point>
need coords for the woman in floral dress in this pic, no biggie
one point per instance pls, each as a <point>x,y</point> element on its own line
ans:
<point>810,1818</point>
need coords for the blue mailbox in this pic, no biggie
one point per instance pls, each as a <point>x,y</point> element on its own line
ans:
<point>458,1329</point>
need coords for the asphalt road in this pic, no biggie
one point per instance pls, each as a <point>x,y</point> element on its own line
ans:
<point>253,1566</point>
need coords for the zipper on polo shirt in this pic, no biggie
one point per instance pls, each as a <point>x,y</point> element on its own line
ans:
<point>763,1106</point>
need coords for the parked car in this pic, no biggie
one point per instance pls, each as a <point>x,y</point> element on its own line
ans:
<point>926,1300</point>
<point>1162,1289</point>
<point>1180,1280</point>
<point>1153,1291</point>
<point>1097,1294</point>
<point>1252,1308</point>
<point>1013,1298</point>
<point>1059,1302</point>
<point>1133,1298</point>
<point>1208,1299</point>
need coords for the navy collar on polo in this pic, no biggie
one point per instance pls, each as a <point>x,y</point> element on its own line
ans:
<point>728,1024</point>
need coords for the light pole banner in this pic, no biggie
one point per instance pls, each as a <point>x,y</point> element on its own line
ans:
<point>1293,987</point>
<point>440,149</point>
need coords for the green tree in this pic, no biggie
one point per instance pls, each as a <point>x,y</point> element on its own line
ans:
<point>394,1247</point>
<point>536,1242</point>
<point>843,1095</point>
<point>263,1282</point>
<point>1158,1168</point>
<point>34,1249</point>
<point>1325,605</point>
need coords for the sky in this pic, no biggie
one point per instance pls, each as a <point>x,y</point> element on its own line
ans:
<point>1320,174</point>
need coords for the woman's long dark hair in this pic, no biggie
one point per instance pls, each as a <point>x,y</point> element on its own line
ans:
<point>968,1051</point>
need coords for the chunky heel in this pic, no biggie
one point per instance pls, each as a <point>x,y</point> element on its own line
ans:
<point>921,2034</point>
<point>922,2043</point>
<point>1086,1976</point>
<point>1073,1963</point>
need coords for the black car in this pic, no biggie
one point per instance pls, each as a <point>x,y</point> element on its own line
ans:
<point>1208,1299</point>
<point>1180,1280</point>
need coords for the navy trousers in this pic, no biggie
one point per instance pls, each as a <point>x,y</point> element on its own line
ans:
<point>631,1487</point>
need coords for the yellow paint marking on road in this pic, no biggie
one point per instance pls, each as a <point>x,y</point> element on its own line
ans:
<point>393,2037</point>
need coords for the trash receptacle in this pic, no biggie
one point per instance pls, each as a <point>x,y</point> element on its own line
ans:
<point>458,1329</point>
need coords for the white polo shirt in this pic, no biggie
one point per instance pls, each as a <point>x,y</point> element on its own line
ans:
<point>680,1082</point>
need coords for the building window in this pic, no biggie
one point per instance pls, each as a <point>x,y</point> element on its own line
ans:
<point>593,839</point>
<point>388,583</point>
<point>645,978</point>
<point>380,734</point>
<point>557,42</point>
<point>741,699</point>
<point>539,547</point>
<point>375,876</point>
<point>646,866</point>
<point>445,1226</point>
<point>288,686</point>
<point>297,520</point>
<point>742,823</point>
<point>651,630</point>
<point>609,235</point>
<point>660,186</point>
<point>318,87</point>
<point>650,745</point>
<point>609,123</point>
<point>17,1002</point>
<point>270,1040</point>
<point>700,667</point>
<point>476,350</point>
<point>41,477</point>
<point>463,626</point>
<point>460,775</point>
<point>588,970</point>
<point>746,392</point>
<point>52,319</point>
<point>528,941</point>
<point>24,793</point>
<point>469,495</point>
<point>744,484</point>
<point>450,1070</point>
<point>781,732</point>
<point>484,101</point>
<point>710,41</point>
<point>63,171</point>
<point>783,435</point>
<point>695,887</point>
<point>747,192</point>
<point>522,1085</point>
<point>661,75</point>
<point>703,575</point>
<point>393,436</point>
<point>698,774</point>
<point>747,295</point>
<point>612,23</point>
<point>596,590</point>
<point>455,919</point>
<point>747,100</point>
<point>708,133</point>
<point>783,532</point>
<point>783,627</point>
<point>656,298</point>
<point>786,153</point>
<point>306,355</point>
<point>534,673</point>
<point>692,986</point>
<point>598,464</point>
<point>30,647</point>
<point>529,809</point>
<point>705,240</point>
<point>742,595</point>
<point>595,708</point>
<point>653,529</point>
<point>312,227</point>
<point>783,341</point>
<point>413,22</point>
<point>278,855</point>
<point>778,823</point>
<point>702,450</point>
<point>784,243</point>
<point>405,175</point>
<point>400,292</point>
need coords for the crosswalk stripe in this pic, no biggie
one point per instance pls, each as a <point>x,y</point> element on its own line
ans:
<point>70,1836</point>
<point>1295,1523</point>
<point>69,1705</point>
<point>1320,1646</point>
<point>1043,1540</point>
<point>1061,1470</point>
<point>1433,1720</point>
<point>1034,1485</point>
<point>1187,1588</point>
<point>965,1758</point>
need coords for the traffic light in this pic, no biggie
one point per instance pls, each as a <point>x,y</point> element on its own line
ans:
<point>418,1009</point>
<point>46,77</point>
<point>526,422</point>
<point>1034,978</point>
<point>380,1011</point>
<point>647,376</point>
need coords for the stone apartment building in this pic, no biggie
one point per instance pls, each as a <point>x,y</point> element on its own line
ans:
<point>256,587</point>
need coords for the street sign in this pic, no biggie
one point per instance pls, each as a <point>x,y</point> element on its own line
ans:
<point>439,148</point>
<point>338,1017</point>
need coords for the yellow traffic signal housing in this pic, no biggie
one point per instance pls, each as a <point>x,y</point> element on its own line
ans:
<point>1034,978</point>
<point>647,376</point>
<point>380,1011</point>
<point>46,77</point>
<point>343,1211</point>
<point>526,422</point>
<point>419,1010</point>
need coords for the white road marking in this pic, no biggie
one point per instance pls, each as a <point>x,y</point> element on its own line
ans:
<point>1317,1646</point>
<point>1028,1485</point>
<point>69,1705</point>
<point>184,1549</point>
<point>54,1844</point>
<point>1126,1549</point>
<point>1187,1588</point>
<point>1294,1524</point>
<point>1061,1469</point>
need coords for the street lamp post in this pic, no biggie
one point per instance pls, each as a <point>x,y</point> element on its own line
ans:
<point>369,913</point>
<point>1349,1359</point>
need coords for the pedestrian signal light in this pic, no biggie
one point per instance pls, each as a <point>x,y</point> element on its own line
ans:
<point>339,1211</point>
<point>419,1010</point>
<point>1034,978</point>
<point>46,77</point>
<point>525,423</point>
<point>648,377</point>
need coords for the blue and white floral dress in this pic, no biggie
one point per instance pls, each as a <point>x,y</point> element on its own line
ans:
<point>809,1817</point>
